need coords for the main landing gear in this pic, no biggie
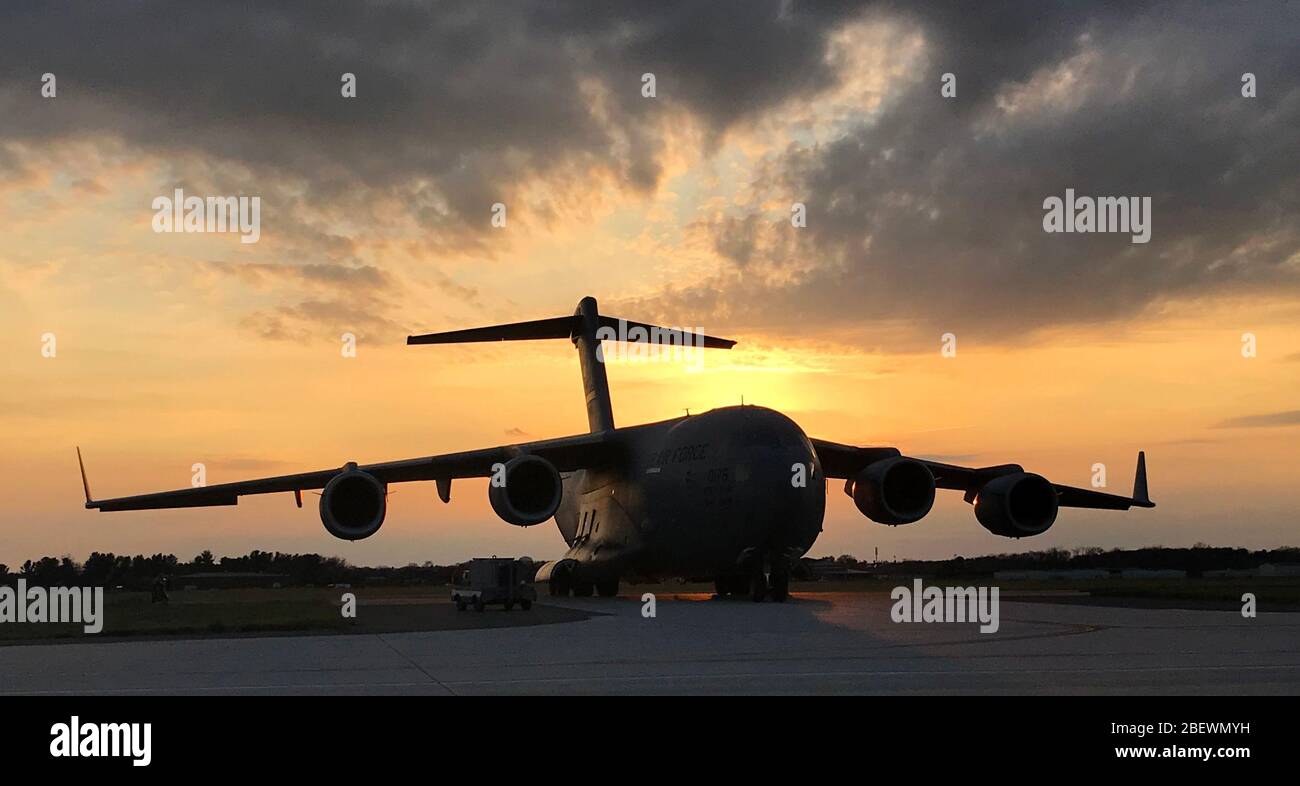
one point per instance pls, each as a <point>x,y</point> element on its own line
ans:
<point>755,585</point>
<point>562,586</point>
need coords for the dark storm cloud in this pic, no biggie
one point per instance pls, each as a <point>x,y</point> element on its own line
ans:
<point>931,211</point>
<point>457,101</point>
<point>923,218</point>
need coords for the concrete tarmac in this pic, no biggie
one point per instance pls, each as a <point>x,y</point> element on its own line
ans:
<point>835,643</point>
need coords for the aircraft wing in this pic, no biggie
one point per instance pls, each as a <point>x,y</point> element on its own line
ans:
<point>846,461</point>
<point>566,453</point>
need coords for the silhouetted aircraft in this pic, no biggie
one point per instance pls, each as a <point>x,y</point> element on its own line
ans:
<point>737,493</point>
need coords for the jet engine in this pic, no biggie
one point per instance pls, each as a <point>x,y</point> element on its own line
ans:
<point>1017,505</point>
<point>353,504</point>
<point>893,491</point>
<point>526,492</point>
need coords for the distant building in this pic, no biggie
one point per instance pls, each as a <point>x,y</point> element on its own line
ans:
<point>827,569</point>
<point>1270,569</point>
<point>1049,575</point>
<point>222,580</point>
<point>1138,573</point>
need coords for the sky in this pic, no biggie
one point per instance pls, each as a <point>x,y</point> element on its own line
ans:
<point>924,210</point>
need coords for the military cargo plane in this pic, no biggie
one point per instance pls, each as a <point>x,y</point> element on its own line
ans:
<point>737,493</point>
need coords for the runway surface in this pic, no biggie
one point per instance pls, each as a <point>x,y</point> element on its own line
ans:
<point>817,643</point>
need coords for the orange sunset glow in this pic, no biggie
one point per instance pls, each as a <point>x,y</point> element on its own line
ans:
<point>924,217</point>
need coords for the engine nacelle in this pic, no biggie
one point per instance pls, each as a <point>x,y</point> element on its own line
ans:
<point>1017,505</point>
<point>893,491</point>
<point>526,492</point>
<point>353,504</point>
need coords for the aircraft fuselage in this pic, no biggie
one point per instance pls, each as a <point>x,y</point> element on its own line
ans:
<point>706,494</point>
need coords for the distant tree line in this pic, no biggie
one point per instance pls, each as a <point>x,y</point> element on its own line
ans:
<point>1195,560</point>
<point>140,571</point>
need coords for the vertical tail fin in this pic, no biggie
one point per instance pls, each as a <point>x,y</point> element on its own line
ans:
<point>1140,497</point>
<point>85,484</point>
<point>586,329</point>
<point>595,385</point>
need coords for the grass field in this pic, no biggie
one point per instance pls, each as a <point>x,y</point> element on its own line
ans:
<point>291,610</point>
<point>238,612</point>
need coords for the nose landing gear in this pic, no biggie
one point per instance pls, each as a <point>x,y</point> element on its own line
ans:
<point>780,586</point>
<point>757,583</point>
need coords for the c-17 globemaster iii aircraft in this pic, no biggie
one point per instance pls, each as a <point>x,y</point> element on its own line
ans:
<point>737,493</point>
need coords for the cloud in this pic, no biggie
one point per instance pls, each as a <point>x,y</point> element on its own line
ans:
<point>342,299</point>
<point>924,213</point>
<point>457,103</point>
<point>327,276</point>
<point>928,211</point>
<point>316,319</point>
<point>1267,420</point>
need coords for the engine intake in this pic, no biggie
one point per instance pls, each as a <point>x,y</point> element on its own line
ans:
<point>353,504</point>
<point>893,491</point>
<point>1017,505</point>
<point>528,491</point>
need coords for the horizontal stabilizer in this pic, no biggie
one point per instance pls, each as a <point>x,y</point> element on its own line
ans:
<point>559,327</point>
<point>608,329</point>
<point>615,329</point>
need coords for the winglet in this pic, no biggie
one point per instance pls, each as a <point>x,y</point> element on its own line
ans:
<point>1140,497</point>
<point>85,485</point>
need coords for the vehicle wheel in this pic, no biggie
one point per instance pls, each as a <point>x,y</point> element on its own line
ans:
<point>757,587</point>
<point>478,604</point>
<point>780,587</point>
<point>460,605</point>
<point>607,589</point>
<point>582,590</point>
<point>510,605</point>
<point>526,604</point>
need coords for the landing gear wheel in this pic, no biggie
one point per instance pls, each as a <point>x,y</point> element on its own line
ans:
<point>739,585</point>
<point>722,586</point>
<point>582,590</point>
<point>478,604</point>
<point>780,587</point>
<point>526,604</point>
<point>757,587</point>
<point>607,589</point>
